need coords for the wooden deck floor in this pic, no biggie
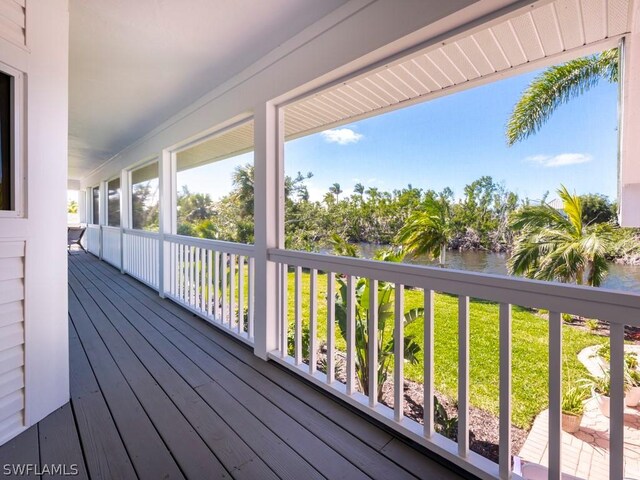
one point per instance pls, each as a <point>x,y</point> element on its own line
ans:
<point>157,393</point>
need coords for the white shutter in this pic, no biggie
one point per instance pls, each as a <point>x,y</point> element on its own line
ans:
<point>11,338</point>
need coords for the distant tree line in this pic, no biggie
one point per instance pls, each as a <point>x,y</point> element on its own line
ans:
<point>479,220</point>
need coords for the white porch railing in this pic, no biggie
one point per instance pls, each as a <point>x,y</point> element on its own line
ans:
<point>214,279</point>
<point>141,256</point>
<point>619,309</point>
<point>111,247</point>
<point>92,237</point>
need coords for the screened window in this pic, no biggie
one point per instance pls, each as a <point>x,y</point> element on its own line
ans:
<point>215,187</point>
<point>145,197</point>
<point>113,204</point>
<point>95,202</point>
<point>6,161</point>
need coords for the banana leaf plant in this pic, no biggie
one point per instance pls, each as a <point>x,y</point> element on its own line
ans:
<point>385,330</point>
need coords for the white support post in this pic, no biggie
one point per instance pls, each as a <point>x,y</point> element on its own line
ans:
<point>628,125</point>
<point>102,207</point>
<point>125,211</point>
<point>166,204</point>
<point>83,216</point>
<point>269,222</point>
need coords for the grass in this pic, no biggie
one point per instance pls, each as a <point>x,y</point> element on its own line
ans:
<point>529,349</point>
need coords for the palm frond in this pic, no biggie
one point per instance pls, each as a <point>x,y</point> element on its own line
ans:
<point>555,86</point>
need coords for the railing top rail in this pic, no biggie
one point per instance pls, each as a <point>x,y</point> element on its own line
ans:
<point>109,228</point>
<point>604,304</point>
<point>219,245</point>
<point>141,233</point>
<point>93,226</point>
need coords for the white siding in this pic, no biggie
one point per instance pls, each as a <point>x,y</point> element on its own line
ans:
<point>11,339</point>
<point>13,21</point>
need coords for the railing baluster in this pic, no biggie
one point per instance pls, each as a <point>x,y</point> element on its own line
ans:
<point>209,282</point>
<point>505,391</point>
<point>240,294</point>
<point>616,418</point>
<point>331,326</point>
<point>372,342</point>
<point>179,271</point>
<point>398,354</point>
<point>463,376</point>
<point>351,334</point>
<point>172,272</point>
<point>298,316</point>
<point>555,395</point>
<point>232,291</point>
<point>192,276</point>
<point>251,290</point>
<point>428,363</point>
<point>196,261</point>
<point>203,279</point>
<point>183,273</point>
<point>313,320</point>
<point>223,279</point>
<point>216,286</point>
<point>284,318</point>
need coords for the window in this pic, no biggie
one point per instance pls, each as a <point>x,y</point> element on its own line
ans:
<point>113,203</point>
<point>95,203</point>
<point>215,186</point>
<point>145,197</point>
<point>6,134</point>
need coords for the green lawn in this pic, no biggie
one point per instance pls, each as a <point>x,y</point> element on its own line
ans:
<point>530,350</point>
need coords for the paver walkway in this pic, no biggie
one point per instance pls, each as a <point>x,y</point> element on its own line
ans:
<point>585,454</point>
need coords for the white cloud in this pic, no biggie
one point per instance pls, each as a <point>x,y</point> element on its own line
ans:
<point>341,136</point>
<point>560,160</point>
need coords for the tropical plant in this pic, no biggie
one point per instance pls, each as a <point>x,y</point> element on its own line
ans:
<point>573,400</point>
<point>557,245</point>
<point>444,424</point>
<point>385,339</point>
<point>428,230</point>
<point>72,206</point>
<point>557,85</point>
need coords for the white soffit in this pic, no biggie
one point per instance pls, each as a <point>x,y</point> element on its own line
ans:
<point>501,46</point>
<point>228,143</point>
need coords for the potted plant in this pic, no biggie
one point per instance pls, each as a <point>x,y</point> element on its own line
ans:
<point>601,391</point>
<point>572,408</point>
<point>632,398</point>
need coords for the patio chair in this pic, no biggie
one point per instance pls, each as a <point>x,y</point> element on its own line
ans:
<point>74,237</point>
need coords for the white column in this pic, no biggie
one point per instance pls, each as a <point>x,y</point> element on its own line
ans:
<point>269,222</point>
<point>102,207</point>
<point>167,206</point>
<point>82,206</point>
<point>629,198</point>
<point>125,211</point>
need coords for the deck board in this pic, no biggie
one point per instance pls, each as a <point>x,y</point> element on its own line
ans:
<point>157,392</point>
<point>60,444</point>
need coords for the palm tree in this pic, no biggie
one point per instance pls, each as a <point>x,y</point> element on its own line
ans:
<point>359,189</point>
<point>429,230</point>
<point>558,245</point>
<point>555,86</point>
<point>336,190</point>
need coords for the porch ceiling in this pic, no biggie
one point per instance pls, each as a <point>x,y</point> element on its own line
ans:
<point>134,64</point>
<point>550,32</point>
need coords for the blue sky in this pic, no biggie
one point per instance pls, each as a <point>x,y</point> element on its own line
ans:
<point>451,141</point>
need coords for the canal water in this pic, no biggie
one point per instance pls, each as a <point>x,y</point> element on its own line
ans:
<point>620,277</point>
